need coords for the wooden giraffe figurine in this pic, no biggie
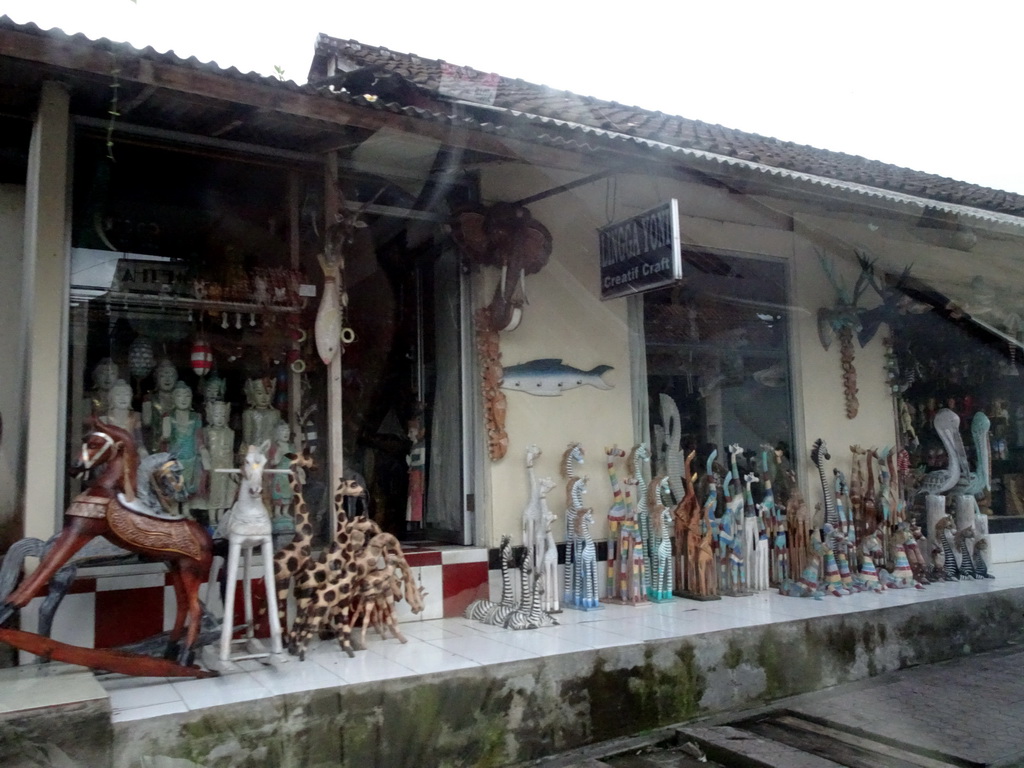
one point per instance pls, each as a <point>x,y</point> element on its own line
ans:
<point>686,519</point>
<point>549,565</point>
<point>617,514</point>
<point>294,556</point>
<point>378,593</point>
<point>705,584</point>
<point>533,527</point>
<point>330,586</point>
<point>798,528</point>
<point>324,582</point>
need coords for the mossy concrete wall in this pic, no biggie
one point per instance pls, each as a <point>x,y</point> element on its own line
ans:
<point>508,713</point>
<point>71,735</point>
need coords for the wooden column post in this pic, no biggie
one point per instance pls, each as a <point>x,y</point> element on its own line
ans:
<point>44,329</point>
<point>334,413</point>
<point>295,404</point>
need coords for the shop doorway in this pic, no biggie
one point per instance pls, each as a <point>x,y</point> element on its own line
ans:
<point>401,395</point>
<point>717,349</point>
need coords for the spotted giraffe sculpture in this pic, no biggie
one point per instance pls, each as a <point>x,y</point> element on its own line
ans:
<point>327,588</point>
<point>775,520</point>
<point>707,570</point>
<point>379,592</point>
<point>292,558</point>
<point>798,527</point>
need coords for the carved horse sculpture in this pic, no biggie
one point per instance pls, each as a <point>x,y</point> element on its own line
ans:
<point>246,526</point>
<point>105,509</point>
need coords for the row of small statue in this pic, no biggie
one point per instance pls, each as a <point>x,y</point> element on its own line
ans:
<point>730,544</point>
<point>167,422</point>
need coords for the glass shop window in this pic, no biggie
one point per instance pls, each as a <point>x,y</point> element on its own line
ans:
<point>717,357</point>
<point>956,346</point>
<point>192,292</point>
<point>195,290</point>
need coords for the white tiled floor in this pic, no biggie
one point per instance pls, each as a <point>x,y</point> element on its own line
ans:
<point>447,644</point>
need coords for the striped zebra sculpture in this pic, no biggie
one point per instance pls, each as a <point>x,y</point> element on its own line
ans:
<point>524,613</point>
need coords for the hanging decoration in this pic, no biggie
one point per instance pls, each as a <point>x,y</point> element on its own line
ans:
<point>141,359</point>
<point>842,319</point>
<point>201,357</point>
<point>506,236</point>
<point>503,235</point>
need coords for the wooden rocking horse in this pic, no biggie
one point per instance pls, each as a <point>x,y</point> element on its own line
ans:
<point>106,508</point>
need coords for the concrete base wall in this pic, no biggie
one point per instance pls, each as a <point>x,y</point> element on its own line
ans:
<point>59,717</point>
<point>504,714</point>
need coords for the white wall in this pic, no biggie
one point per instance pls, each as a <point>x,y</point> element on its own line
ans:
<point>566,319</point>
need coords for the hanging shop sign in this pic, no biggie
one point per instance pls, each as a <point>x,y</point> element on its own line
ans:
<point>145,275</point>
<point>641,253</point>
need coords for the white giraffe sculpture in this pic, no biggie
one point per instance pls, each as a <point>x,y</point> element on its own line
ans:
<point>549,565</point>
<point>247,525</point>
<point>533,525</point>
<point>539,545</point>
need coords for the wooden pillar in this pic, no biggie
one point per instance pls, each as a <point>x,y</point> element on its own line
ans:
<point>295,404</point>
<point>44,327</point>
<point>334,413</point>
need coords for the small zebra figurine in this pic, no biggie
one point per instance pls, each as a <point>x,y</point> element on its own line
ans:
<point>480,610</point>
<point>980,566</point>
<point>528,617</point>
<point>967,568</point>
<point>950,570</point>
<point>587,598</point>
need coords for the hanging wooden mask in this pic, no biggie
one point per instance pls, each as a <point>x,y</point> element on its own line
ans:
<point>505,236</point>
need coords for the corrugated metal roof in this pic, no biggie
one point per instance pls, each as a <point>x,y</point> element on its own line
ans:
<point>530,113</point>
<point>707,141</point>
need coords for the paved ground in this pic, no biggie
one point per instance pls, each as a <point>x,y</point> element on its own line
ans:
<point>964,712</point>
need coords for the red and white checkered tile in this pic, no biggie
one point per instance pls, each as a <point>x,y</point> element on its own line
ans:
<point>113,610</point>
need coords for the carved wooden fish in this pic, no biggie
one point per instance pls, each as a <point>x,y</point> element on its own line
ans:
<point>550,377</point>
<point>327,330</point>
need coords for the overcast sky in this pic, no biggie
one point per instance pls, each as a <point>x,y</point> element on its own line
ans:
<point>933,86</point>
